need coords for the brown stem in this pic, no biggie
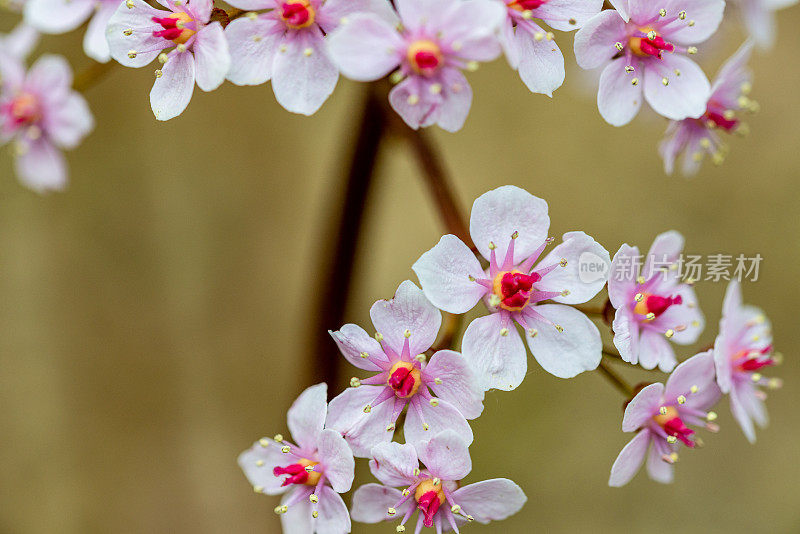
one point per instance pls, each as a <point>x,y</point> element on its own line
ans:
<point>615,379</point>
<point>452,324</point>
<point>341,243</point>
<point>91,75</point>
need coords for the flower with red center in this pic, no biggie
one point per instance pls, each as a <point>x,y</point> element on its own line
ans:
<point>427,46</point>
<point>440,393</point>
<point>659,415</point>
<point>310,474</point>
<point>697,137</point>
<point>509,228</point>
<point>742,350</point>
<point>653,306</point>
<point>189,47</point>
<point>434,491</point>
<point>642,47</point>
<point>297,15</point>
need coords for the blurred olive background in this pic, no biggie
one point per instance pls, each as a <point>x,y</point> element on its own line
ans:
<point>157,317</point>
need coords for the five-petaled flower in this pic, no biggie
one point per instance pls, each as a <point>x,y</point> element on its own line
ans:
<point>641,47</point>
<point>659,415</point>
<point>433,490</point>
<point>696,137</point>
<point>310,474</point>
<point>742,350</point>
<point>138,34</point>
<point>653,305</point>
<point>440,394</point>
<point>429,44</point>
<point>509,227</point>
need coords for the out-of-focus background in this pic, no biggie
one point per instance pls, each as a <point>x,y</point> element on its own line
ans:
<point>157,317</point>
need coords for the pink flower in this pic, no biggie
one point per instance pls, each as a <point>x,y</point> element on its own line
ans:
<point>440,394</point>
<point>653,306</point>
<point>659,416</point>
<point>286,44</point>
<point>433,490</point>
<point>509,227</point>
<point>645,53</point>
<point>310,475</point>
<point>60,16</point>
<point>430,44</point>
<point>138,34</point>
<point>19,42</point>
<point>695,137</point>
<point>531,50</point>
<point>742,350</point>
<point>759,18</point>
<point>39,113</point>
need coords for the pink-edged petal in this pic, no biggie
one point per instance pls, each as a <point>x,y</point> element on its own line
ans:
<point>618,99</point>
<point>253,5</point>
<point>333,515</point>
<point>584,275</point>
<point>303,75</point>
<point>144,43</point>
<point>371,503</point>
<point>361,430</point>
<point>684,96</point>
<point>425,421</point>
<point>253,43</point>
<point>727,85</point>
<point>336,12</point>
<point>337,460</point>
<point>70,122</point>
<point>444,273</point>
<point>696,372</point>
<point>630,459</point>
<point>446,456</point>
<point>473,25</point>
<point>540,62</point>
<point>306,417</point>
<point>641,11</point>
<point>739,409</point>
<point>622,277</point>
<point>494,351</point>
<point>366,47</point>
<point>656,350</point>
<point>258,461</point>
<point>95,43</point>
<point>353,341</point>
<point>626,335</point>
<point>594,42</point>
<point>393,463</point>
<point>211,56</point>
<point>57,16</point>
<point>642,407</point>
<point>490,500</point>
<point>41,166</point>
<point>666,248</point>
<point>657,468</point>
<point>297,519</point>
<point>456,101</point>
<point>560,14</point>
<point>450,378</point>
<point>567,353</point>
<point>408,312</point>
<point>173,90</point>
<point>705,14</point>
<point>501,212</point>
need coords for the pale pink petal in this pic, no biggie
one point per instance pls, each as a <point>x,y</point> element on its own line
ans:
<point>657,468</point>
<point>501,212</point>
<point>748,396</point>
<point>618,100</point>
<point>173,90</point>
<point>684,96</point>
<point>253,5</point>
<point>51,75</point>
<point>366,47</point>
<point>567,353</point>
<point>372,501</point>
<point>443,416</point>
<point>452,112</point>
<point>727,85</point>
<point>333,515</point>
<point>582,253</point>
<point>739,409</point>
<point>353,341</point>
<point>760,22</point>
<point>95,43</point>
<point>201,9</point>
<point>705,14</point>
<point>446,456</point>
<point>509,43</point>
<point>472,25</point>
<point>394,464</point>
<point>642,407</point>
<point>450,378</point>
<point>410,101</point>
<point>145,45</point>
<point>622,276</point>
<point>253,44</point>
<point>630,460</point>
<point>696,372</point>
<point>306,417</point>
<point>559,14</point>
<point>335,12</point>
<point>361,430</point>
<point>666,248</point>
<point>41,167</point>
<point>444,273</point>
<point>19,42</point>
<point>303,76</point>
<point>594,42</point>
<point>626,335</point>
<point>674,142</point>
<point>70,121</point>
<point>499,361</point>
<point>622,8</point>
<point>417,13</point>
<point>541,64</point>
<point>297,520</point>
<point>687,314</point>
<point>722,362</point>
<point>337,460</point>
<point>57,16</point>
<point>211,56</point>
<point>490,500</point>
<point>409,312</point>
<point>258,461</point>
<point>656,350</point>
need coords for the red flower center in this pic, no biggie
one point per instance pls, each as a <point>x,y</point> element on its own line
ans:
<point>24,110</point>
<point>297,474</point>
<point>672,424</point>
<point>655,305</point>
<point>404,379</point>
<point>526,5</point>
<point>298,14</point>
<point>514,289</point>
<point>175,29</point>
<point>425,57</point>
<point>649,44</point>
<point>429,497</point>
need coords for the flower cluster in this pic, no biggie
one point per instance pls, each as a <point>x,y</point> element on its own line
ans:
<point>435,390</point>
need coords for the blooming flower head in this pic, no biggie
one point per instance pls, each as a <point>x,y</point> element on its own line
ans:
<point>39,113</point>
<point>758,17</point>
<point>642,47</point>
<point>138,34</point>
<point>427,46</point>
<point>653,306</point>
<point>659,416</point>
<point>742,350</point>
<point>434,490</point>
<point>310,474</point>
<point>440,394</point>
<point>533,51</point>
<point>286,43</point>
<point>60,16</point>
<point>696,137</point>
<point>509,228</point>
